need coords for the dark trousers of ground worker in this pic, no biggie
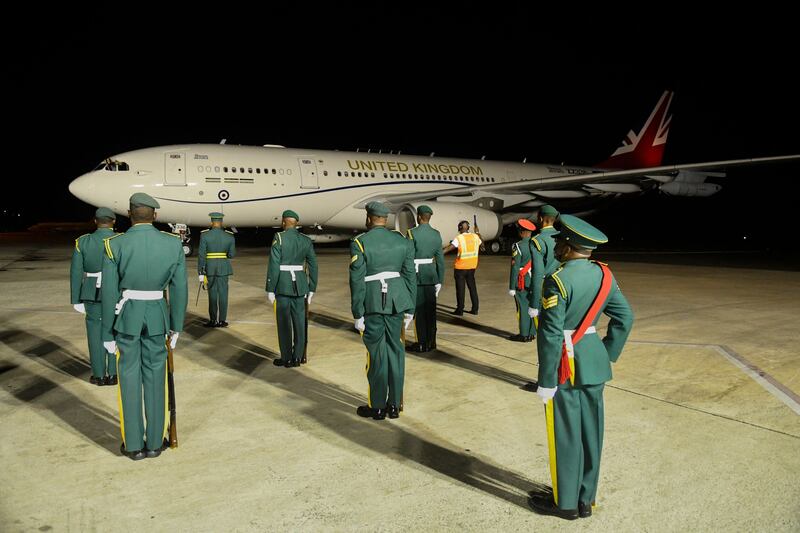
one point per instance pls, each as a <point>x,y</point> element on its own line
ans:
<point>468,276</point>
<point>142,365</point>
<point>290,314</point>
<point>386,359</point>
<point>102,362</point>
<point>575,425</point>
<point>425,316</point>
<point>217,298</point>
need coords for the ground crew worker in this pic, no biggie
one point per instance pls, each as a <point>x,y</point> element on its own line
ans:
<point>290,289</point>
<point>139,266</point>
<point>574,364</point>
<point>543,258</point>
<point>85,277</point>
<point>383,288</point>
<point>468,245</point>
<point>520,283</point>
<point>429,264</point>
<point>217,248</point>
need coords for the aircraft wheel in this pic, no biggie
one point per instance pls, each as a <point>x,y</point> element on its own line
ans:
<point>187,249</point>
<point>494,247</point>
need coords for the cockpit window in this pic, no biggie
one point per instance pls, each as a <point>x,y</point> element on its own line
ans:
<point>113,166</point>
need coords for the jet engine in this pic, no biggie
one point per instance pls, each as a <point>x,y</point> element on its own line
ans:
<point>447,215</point>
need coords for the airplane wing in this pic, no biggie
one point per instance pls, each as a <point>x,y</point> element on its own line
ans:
<point>615,179</point>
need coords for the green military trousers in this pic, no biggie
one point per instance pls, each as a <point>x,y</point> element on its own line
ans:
<point>575,440</point>
<point>217,298</point>
<point>425,315</point>
<point>142,371</point>
<point>526,328</point>
<point>385,359</point>
<point>290,314</point>
<point>103,363</point>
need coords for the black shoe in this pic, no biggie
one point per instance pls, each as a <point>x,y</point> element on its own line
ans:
<point>97,381</point>
<point>278,362</point>
<point>291,363</point>
<point>432,345</point>
<point>584,510</point>
<point>418,347</point>
<point>544,504</point>
<point>368,412</point>
<point>222,324</point>
<point>530,386</point>
<point>152,454</point>
<point>473,311</point>
<point>110,380</point>
<point>458,312</point>
<point>517,338</point>
<point>138,455</point>
<point>210,324</point>
<point>392,411</point>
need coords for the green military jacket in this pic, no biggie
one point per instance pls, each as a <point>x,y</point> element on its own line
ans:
<point>568,294</point>
<point>544,263</point>
<point>144,259</point>
<point>382,250</point>
<point>427,243</point>
<point>520,256</point>
<point>87,257</point>
<point>290,247</point>
<point>216,241</point>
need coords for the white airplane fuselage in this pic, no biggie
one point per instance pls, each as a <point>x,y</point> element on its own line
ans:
<point>253,185</point>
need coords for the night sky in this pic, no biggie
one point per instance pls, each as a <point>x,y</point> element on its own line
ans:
<point>504,84</point>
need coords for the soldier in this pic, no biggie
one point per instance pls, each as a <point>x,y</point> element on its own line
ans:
<point>217,248</point>
<point>574,364</point>
<point>290,289</point>
<point>520,282</point>
<point>85,281</point>
<point>383,287</point>
<point>140,265</point>
<point>543,258</point>
<point>429,264</point>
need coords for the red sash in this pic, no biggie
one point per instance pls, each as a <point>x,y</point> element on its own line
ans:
<point>565,369</point>
<point>521,276</point>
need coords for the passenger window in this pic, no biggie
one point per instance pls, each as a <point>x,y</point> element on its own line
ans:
<point>233,169</point>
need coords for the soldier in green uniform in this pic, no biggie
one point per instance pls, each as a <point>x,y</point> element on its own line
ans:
<point>519,284</point>
<point>429,264</point>
<point>139,266</point>
<point>290,289</point>
<point>85,276</point>
<point>217,248</point>
<point>574,364</point>
<point>543,258</point>
<point>383,288</point>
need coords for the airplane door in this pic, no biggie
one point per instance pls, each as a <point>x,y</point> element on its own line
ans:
<point>175,168</point>
<point>308,173</point>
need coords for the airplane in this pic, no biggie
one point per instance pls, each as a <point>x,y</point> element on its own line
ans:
<point>252,185</point>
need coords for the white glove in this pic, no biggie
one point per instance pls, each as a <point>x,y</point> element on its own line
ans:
<point>546,394</point>
<point>438,288</point>
<point>512,293</point>
<point>173,338</point>
<point>533,312</point>
<point>310,295</point>
<point>359,323</point>
<point>271,297</point>
<point>201,278</point>
<point>110,346</point>
<point>407,319</point>
<point>81,308</point>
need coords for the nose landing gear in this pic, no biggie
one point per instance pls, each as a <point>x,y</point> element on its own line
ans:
<point>185,234</point>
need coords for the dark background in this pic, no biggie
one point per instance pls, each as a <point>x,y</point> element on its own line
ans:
<point>504,83</point>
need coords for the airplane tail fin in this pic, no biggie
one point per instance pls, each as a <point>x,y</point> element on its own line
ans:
<point>645,149</point>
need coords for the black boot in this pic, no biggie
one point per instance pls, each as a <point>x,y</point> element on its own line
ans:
<point>368,412</point>
<point>544,504</point>
<point>392,411</point>
<point>138,455</point>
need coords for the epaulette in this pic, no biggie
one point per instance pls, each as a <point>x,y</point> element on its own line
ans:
<point>278,236</point>
<point>171,234</point>
<point>226,231</point>
<point>410,235</point>
<point>205,230</point>
<point>79,238</point>
<point>536,243</point>
<point>560,284</point>
<point>108,246</point>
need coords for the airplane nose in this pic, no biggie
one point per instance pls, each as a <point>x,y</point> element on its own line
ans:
<point>79,187</point>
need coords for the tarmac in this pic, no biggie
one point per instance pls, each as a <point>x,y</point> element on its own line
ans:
<point>702,416</point>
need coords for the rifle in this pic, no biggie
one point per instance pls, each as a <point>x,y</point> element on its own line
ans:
<point>173,428</point>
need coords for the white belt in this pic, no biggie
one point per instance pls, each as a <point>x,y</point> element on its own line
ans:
<point>418,262</point>
<point>292,269</point>
<point>98,275</point>
<point>382,277</point>
<point>129,294</point>
<point>568,339</point>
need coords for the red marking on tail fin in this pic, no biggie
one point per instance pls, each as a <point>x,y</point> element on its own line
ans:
<point>647,148</point>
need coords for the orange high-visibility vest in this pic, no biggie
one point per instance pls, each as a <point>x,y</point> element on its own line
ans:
<point>468,244</point>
